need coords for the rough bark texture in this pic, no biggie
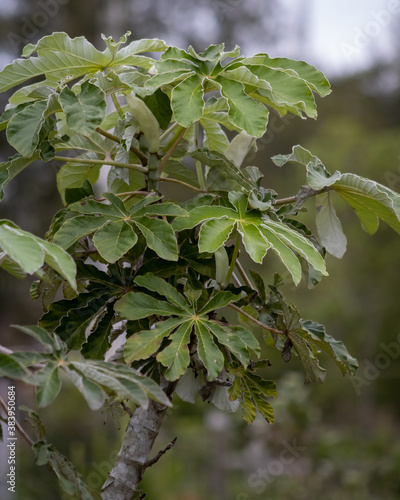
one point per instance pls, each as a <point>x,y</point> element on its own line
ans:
<point>130,465</point>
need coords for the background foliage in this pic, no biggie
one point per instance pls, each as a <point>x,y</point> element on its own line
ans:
<point>349,438</point>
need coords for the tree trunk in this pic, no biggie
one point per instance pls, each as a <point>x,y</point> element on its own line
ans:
<point>132,459</point>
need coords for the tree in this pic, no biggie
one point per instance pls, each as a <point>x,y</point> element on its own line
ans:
<point>159,280</point>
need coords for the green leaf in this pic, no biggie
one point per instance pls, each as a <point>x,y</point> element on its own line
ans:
<point>317,175</point>
<point>215,138</point>
<point>21,248</point>
<point>329,226</point>
<point>73,175</point>
<point>104,375</point>
<point>176,356</point>
<point>288,258</point>
<point>187,101</point>
<point>84,112</point>
<point>30,252</point>
<point>159,105</point>
<point>113,240</point>
<point>98,342</point>
<point>11,168</point>
<point>298,243</point>
<point>244,112</point>
<point>49,384</point>
<point>77,227</point>
<point>24,128</point>
<point>233,342</point>
<point>156,284</point>
<point>208,352</point>
<point>316,335</point>
<point>59,57</point>
<point>41,335</point>
<point>255,241</point>
<point>249,410</point>
<point>221,299</point>
<point>214,233</point>
<point>370,201</point>
<point>159,237</point>
<point>129,56</point>
<point>10,368</point>
<point>137,305</point>
<point>145,343</point>
<point>93,393</point>
<point>309,361</point>
<point>313,77</point>
<point>287,90</point>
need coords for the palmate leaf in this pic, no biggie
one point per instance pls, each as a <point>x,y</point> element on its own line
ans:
<point>123,380</point>
<point>63,58</point>
<point>114,225</point>
<point>31,252</point>
<point>259,233</point>
<point>316,335</point>
<point>251,389</point>
<point>185,320</point>
<point>309,361</point>
<point>370,200</point>
<point>317,175</point>
<point>314,78</point>
<point>244,112</point>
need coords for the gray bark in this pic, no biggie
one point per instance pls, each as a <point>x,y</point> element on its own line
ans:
<point>134,454</point>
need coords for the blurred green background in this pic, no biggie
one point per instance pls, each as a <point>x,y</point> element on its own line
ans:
<point>339,440</point>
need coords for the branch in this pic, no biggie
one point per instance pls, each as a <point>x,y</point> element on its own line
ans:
<point>154,460</point>
<point>170,179</point>
<point>247,315</point>
<point>134,455</point>
<point>128,193</point>
<point>142,157</point>
<point>244,275</point>
<point>168,154</point>
<point>139,168</point>
<point>286,201</point>
<point>17,424</point>
<point>303,195</point>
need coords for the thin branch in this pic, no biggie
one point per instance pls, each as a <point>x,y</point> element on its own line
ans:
<point>17,424</point>
<point>117,105</point>
<point>142,157</point>
<point>128,193</point>
<point>254,320</point>
<point>139,168</point>
<point>168,131</point>
<point>127,409</point>
<point>244,275</point>
<point>177,181</point>
<point>236,279</point>
<point>286,201</point>
<point>154,460</point>
<point>168,154</point>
